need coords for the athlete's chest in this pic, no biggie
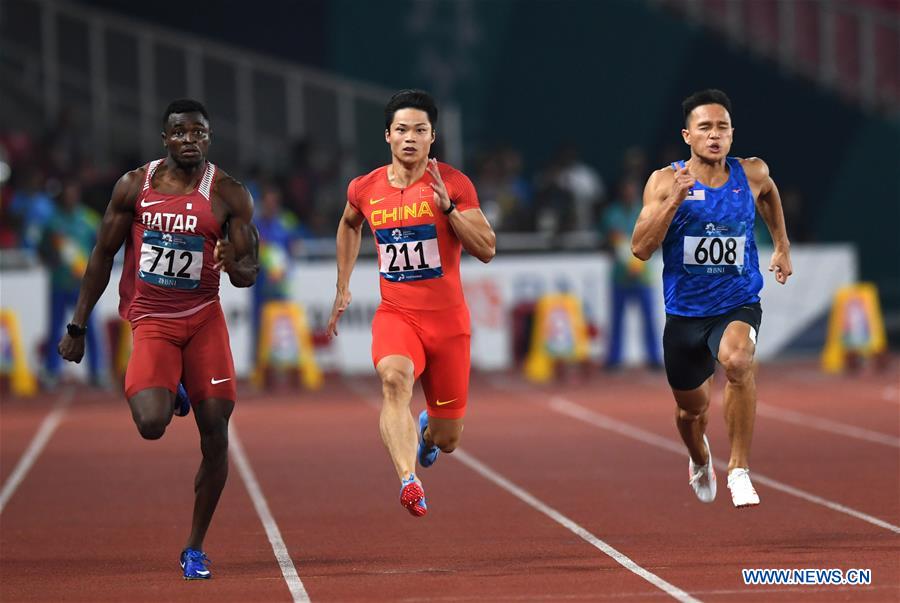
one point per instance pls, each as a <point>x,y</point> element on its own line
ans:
<point>733,201</point>
<point>389,207</point>
<point>189,213</point>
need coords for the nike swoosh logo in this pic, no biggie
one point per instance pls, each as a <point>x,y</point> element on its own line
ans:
<point>439,403</point>
<point>218,381</point>
<point>374,201</point>
<point>149,203</point>
<point>203,572</point>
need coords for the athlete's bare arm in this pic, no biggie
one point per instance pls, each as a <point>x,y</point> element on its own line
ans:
<point>471,226</point>
<point>664,193</point>
<point>349,236</point>
<point>114,228</point>
<point>768,202</point>
<point>238,253</point>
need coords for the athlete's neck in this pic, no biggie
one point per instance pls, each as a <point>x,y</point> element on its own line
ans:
<point>188,175</point>
<point>401,175</point>
<point>709,173</point>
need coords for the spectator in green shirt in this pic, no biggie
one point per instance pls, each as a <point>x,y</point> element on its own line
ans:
<point>68,239</point>
<point>631,277</point>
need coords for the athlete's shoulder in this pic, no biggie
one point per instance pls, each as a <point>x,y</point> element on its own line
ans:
<point>128,187</point>
<point>755,168</point>
<point>361,185</point>
<point>450,173</point>
<point>231,191</point>
<point>660,179</point>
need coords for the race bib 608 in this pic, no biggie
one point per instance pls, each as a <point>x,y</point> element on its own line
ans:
<point>718,250</point>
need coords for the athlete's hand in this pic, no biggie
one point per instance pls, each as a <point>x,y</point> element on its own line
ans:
<point>223,255</point>
<point>682,184</point>
<point>781,265</point>
<point>71,348</point>
<point>440,191</point>
<point>341,301</point>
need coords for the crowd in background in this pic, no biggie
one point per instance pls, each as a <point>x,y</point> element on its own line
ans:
<point>566,194</point>
<point>52,196</point>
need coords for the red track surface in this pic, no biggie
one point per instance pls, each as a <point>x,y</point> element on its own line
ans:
<point>102,514</point>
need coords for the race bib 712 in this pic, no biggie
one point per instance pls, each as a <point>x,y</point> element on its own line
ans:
<point>171,259</point>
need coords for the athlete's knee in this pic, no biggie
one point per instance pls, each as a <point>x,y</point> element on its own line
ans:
<point>150,427</point>
<point>446,441</point>
<point>692,414</point>
<point>396,381</point>
<point>738,364</point>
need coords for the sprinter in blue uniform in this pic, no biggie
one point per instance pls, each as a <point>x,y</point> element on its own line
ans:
<point>702,212</point>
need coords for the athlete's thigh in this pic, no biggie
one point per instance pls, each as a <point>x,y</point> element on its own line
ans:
<point>394,335</point>
<point>736,330</point>
<point>208,368</point>
<point>446,378</point>
<point>687,360</point>
<point>155,357</point>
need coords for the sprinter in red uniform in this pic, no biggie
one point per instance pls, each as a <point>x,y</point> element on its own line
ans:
<point>422,214</point>
<point>182,221</point>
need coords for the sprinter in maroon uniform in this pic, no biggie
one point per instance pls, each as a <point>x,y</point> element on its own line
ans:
<point>182,221</point>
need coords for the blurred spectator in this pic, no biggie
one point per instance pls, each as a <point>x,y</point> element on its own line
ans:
<point>504,193</point>
<point>32,207</point>
<point>65,247</point>
<point>553,204</point>
<point>631,278</point>
<point>8,225</point>
<point>279,231</point>
<point>583,183</point>
<point>300,183</point>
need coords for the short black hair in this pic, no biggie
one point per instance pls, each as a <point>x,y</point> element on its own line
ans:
<point>411,99</point>
<point>184,105</point>
<point>705,97</point>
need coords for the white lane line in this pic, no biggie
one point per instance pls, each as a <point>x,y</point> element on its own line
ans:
<point>298,592</point>
<point>576,411</point>
<point>492,476</point>
<point>36,446</point>
<point>805,420</point>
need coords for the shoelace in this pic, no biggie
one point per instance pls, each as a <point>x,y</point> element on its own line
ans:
<point>701,471</point>
<point>741,479</point>
<point>199,557</point>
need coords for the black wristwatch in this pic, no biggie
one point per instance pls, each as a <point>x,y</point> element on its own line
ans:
<point>450,208</point>
<point>76,330</point>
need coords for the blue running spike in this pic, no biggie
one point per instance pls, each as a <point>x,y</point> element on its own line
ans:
<point>194,563</point>
<point>427,454</point>
<point>182,402</point>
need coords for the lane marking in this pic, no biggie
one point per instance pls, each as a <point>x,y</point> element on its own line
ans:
<point>492,476</point>
<point>586,415</point>
<point>805,420</point>
<point>36,446</point>
<point>294,584</point>
<point>520,493</point>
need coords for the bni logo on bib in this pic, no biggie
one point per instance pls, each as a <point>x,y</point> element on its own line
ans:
<point>715,248</point>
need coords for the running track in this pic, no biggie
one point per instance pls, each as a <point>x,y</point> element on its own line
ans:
<point>571,492</point>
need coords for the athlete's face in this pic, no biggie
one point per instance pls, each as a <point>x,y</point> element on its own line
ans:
<point>186,138</point>
<point>410,135</point>
<point>709,132</point>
